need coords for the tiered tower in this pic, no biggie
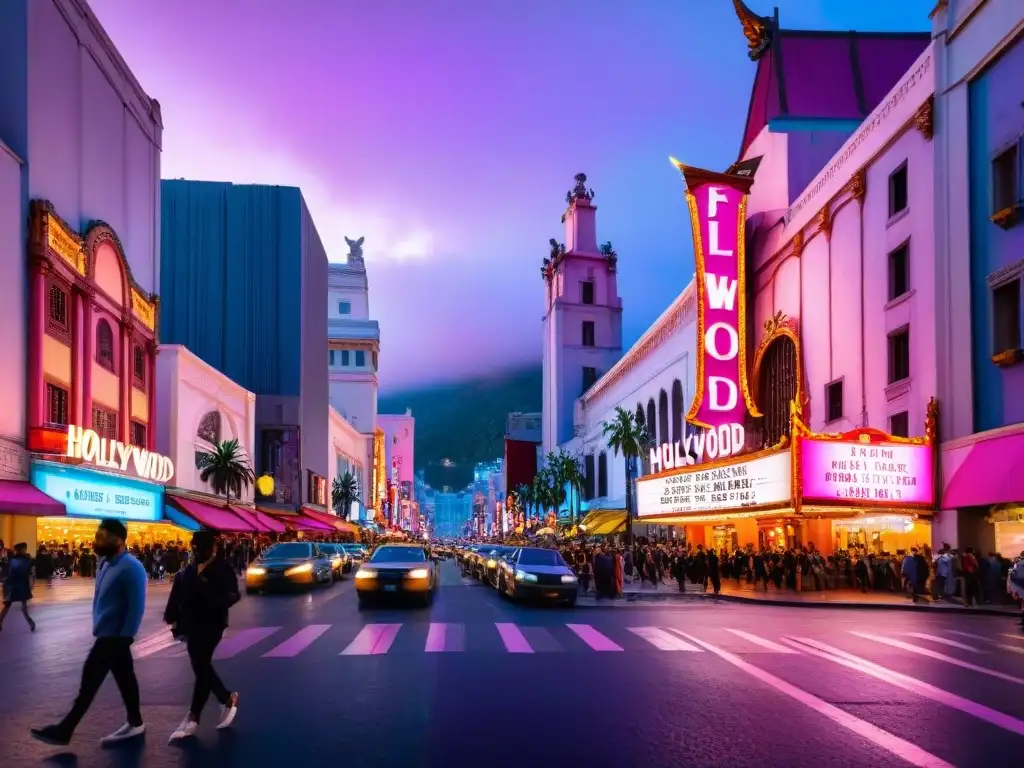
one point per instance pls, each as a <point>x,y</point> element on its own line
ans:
<point>582,317</point>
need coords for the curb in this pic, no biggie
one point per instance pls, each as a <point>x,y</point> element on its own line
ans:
<point>844,605</point>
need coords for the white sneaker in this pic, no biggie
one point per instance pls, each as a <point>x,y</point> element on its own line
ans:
<point>187,728</point>
<point>228,712</point>
<point>126,731</point>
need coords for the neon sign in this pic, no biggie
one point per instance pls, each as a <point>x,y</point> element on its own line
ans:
<point>852,472</point>
<point>88,446</point>
<point>717,204</point>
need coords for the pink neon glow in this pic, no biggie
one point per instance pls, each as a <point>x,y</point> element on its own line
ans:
<point>721,294</point>
<point>892,472</point>
<point>513,638</point>
<point>372,640</point>
<point>298,642</point>
<point>436,637</point>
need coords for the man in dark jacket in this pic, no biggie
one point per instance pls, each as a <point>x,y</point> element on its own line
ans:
<point>198,611</point>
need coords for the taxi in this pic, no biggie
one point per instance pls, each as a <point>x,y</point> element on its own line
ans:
<point>397,570</point>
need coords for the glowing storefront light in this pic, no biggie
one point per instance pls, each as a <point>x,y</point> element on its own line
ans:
<point>97,495</point>
<point>717,204</point>
<point>855,472</point>
<point>87,445</point>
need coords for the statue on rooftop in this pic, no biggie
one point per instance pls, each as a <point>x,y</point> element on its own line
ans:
<point>355,250</point>
<point>580,191</point>
<point>757,29</point>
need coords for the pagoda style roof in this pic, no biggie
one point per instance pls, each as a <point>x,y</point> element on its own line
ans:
<point>805,76</point>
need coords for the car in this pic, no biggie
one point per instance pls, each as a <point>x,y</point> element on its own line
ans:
<point>537,573</point>
<point>489,562</point>
<point>397,570</point>
<point>341,561</point>
<point>289,564</point>
<point>357,551</point>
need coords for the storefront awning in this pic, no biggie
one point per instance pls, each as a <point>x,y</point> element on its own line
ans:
<point>259,521</point>
<point>299,522</point>
<point>332,520</point>
<point>208,516</point>
<point>21,498</point>
<point>604,522</point>
<point>991,473</point>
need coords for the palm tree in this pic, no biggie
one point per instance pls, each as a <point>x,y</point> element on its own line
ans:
<point>625,436</point>
<point>344,490</point>
<point>523,499</point>
<point>226,468</point>
<point>573,478</point>
<point>556,477</point>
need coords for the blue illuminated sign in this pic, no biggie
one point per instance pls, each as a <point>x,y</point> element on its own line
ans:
<point>86,493</point>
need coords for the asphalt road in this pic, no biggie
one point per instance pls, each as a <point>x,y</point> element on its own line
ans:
<point>475,680</point>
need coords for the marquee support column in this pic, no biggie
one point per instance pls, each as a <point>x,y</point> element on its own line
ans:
<point>37,332</point>
<point>127,372</point>
<point>78,361</point>
<point>88,340</point>
<point>151,395</point>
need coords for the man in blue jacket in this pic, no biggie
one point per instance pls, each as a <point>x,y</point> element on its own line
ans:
<point>117,608</point>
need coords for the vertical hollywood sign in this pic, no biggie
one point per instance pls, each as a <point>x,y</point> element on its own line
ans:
<point>721,401</point>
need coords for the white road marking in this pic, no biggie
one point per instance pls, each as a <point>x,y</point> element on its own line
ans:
<point>764,643</point>
<point>662,640</point>
<point>944,641</point>
<point>939,657</point>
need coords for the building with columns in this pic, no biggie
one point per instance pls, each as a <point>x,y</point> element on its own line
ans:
<point>582,315</point>
<point>79,276</point>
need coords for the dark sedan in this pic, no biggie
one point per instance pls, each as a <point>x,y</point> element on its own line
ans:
<point>291,563</point>
<point>532,572</point>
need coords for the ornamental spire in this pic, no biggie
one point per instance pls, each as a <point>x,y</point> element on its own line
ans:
<point>757,29</point>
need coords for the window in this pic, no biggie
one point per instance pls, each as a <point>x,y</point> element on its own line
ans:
<point>589,377</point>
<point>345,358</point>
<point>56,405</point>
<point>138,436</point>
<point>587,292</point>
<point>1006,317</point>
<point>1006,179</point>
<point>331,358</point>
<point>834,400</point>
<point>899,424</point>
<point>360,358</point>
<point>104,422</point>
<point>58,309</point>
<point>602,475</point>
<point>588,476</point>
<point>899,271</point>
<point>209,428</point>
<point>374,362</point>
<point>588,333</point>
<point>899,355</point>
<point>139,366</point>
<point>344,308</point>
<point>105,345</point>
<point>898,190</point>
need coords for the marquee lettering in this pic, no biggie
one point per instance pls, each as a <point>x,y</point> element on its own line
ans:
<point>87,445</point>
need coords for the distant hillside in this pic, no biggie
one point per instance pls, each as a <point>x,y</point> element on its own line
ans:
<point>464,422</point>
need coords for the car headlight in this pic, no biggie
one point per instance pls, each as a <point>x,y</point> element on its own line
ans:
<point>492,563</point>
<point>337,561</point>
<point>362,573</point>
<point>256,571</point>
<point>524,576</point>
<point>419,573</point>
<point>304,568</point>
<point>568,579</point>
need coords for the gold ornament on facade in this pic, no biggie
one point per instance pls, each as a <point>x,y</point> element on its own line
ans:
<point>757,30</point>
<point>824,222</point>
<point>857,186</point>
<point>778,326</point>
<point>931,422</point>
<point>924,118</point>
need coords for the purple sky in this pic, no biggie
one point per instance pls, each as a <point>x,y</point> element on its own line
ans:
<point>447,132</point>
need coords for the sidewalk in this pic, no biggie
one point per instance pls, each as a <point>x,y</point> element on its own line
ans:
<point>833,598</point>
<point>78,589</point>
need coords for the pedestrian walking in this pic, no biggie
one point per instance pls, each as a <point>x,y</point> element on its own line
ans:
<point>197,610</point>
<point>18,584</point>
<point>118,603</point>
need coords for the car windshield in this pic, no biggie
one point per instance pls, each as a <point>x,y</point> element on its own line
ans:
<point>288,551</point>
<point>352,547</point>
<point>399,555</point>
<point>540,557</point>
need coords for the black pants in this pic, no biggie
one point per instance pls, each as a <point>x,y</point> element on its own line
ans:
<point>201,646</point>
<point>113,655</point>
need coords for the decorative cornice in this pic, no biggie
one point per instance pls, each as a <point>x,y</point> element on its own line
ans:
<point>682,311</point>
<point>924,118</point>
<point>757,30</point>
<point>1006,274</point>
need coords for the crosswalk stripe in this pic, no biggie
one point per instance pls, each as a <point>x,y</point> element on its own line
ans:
<point>939,657</point>
<point>297,643</point>
<point>242,641</point>
<point>154,646</point>
<point>662,640</point>
<point>907,683</point>
<point>764,643</point>
<point>372,640</point>
<point>593,638</point>
<point>513,638</point>
<point>944,641</point>
<point>990,641</point>
<point>445,638</point>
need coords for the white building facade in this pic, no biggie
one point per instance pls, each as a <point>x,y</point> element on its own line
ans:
<point>350,451</point>
<point>353,341</point>
<point>198,407</point>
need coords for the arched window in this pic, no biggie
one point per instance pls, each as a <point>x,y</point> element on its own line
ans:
<point>677,411</point>
<point>207,436</point>
<point>602,474</point>
<point>663,415</point>
<point>652,422</point>
<point>105,345</point>
<point>641,422</point>
<point>777,388</point>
